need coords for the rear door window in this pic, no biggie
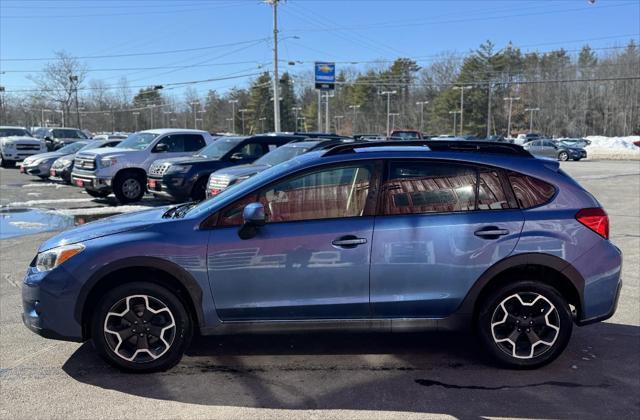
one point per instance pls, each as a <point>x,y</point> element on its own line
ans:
<point>174,142</point>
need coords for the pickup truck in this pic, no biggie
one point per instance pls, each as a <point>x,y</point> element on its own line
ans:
<point>123,169</point>
<point>16,143</point>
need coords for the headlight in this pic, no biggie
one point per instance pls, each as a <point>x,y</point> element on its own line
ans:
<point>178,169</point>
<point>48,260</point>
<point>9,145</point>
<point>108,162</point>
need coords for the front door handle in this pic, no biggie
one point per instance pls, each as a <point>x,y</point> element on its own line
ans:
<point>348,241</point>
<point>491,232</point>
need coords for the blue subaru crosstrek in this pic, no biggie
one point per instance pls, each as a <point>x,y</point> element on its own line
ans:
<point>404,237</point>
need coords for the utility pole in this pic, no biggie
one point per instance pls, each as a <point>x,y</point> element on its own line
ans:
<point>510,99</point>
<point>327,123</point>
<point>231,123</point>
<point>461,89</point>
<point>74,81</point>
<point>455,115</point>
<point>355,116</point>
<point>304,123</point>
<point>242,111</point>
<point>262,120</point>
<point>319,110</point>
<point>388,93</point>
<point>276,82</point>
<point>336,120</point>
<point>489,110</point>
<point>151,113</point>
<point>295,110</point>
<point>421,104</point>
<point>193,105</point>
<point>531,110</point>
<point>233,103</point>
<point>393,119</point>
<point>135,114</point>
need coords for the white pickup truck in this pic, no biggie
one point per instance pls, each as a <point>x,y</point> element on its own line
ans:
<point>123,169</point>
<point>16,143</point>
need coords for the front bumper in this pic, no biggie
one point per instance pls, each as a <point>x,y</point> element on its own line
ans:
<point>60,174</point>
<point>38,170</point>
<point>19,155</point>
<point>91,182</point>
<point>48,306</point>
<point>174,188</point>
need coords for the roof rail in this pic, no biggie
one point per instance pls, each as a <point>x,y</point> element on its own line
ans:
<point>438,146</point>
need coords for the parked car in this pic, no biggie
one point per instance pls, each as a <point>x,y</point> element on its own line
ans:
<point>17,143</point>
<point>185,178</point>
<point>112,136</point>
<point>56,138</point>
<point>40,165</point>
<point>556,150</point>
<point>448,137</point>
<point>405,135</point>
<point>526,137</point>
<point>123,169</point>
<point>225,178</point>
<point>577,142</point>
<point>62,167</point>
<point>519,257</point>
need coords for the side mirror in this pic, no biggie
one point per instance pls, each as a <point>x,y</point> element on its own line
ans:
<point>253,217</point>
<point>162,147</point>
<point>47,138</point>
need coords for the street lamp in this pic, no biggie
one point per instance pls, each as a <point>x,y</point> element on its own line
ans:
<point>336,121</point>
<point>242,111</point>
<point>233,103</point>
<point>510,99</point>
<point>461,89</point>
<point>304,124</point>
<point>388,93</point>
<point>262,120</point>
<point>135,114</point>
<point>295,110</point>
<point>74,82</point>
<point>421,104</point>
<point>355,109</point>
<point>455,115</point>
<point>393,120</point>
<point>531,110</point>
<point>231,122</point>
<point>193,104</point>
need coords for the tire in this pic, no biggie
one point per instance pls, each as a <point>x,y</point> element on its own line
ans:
<point>170,324</point>
<point>563,156</point>
<point>198,192</point>
<point>576,159</point>
<point>6,163</point>
<point>98,194</point>
<point>522,323</point>
<point>129,187</point>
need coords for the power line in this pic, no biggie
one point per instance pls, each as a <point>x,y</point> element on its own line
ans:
<point>149,68</point>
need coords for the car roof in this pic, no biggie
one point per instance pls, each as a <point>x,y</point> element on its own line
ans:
<point>13,127</point>
<point>162,131</point>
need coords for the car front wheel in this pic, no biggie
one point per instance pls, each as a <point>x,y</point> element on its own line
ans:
<point>563,156</point>
<point>129,187</point>
<point>141,327</point>
<point>525,324</point>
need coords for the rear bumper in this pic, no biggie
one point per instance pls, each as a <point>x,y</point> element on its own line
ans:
<point>605,316</point>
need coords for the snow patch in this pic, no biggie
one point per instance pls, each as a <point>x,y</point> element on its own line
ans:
<point>48,184</point>
<point>91,211</point>
<point>56,201</point>
<point>613,147</point>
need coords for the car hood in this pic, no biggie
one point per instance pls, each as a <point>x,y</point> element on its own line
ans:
<point>48,155</point>
<point>241,170</point>
<point>107,226</point>
<point>108,152</point>
<point>21,139</point>
<point>187,160</point>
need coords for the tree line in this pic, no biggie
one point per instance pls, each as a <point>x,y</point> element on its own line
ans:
<point>557,93</point>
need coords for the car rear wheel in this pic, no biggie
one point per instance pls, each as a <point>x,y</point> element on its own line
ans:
<point>141,327</point>
<point>129,187</point>
<point>525,325</point>
<point>563,156</point>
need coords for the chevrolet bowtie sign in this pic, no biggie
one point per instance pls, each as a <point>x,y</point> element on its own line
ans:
<point>325,75</point>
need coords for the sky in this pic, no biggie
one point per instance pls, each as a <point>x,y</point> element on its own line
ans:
<point>145,40</point>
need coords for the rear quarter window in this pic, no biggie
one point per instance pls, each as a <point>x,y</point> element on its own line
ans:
<point>529,191</point>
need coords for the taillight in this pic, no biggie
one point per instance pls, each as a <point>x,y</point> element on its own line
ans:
<point>595,219</point>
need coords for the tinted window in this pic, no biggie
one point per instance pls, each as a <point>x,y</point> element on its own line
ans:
<point>548,143</point>
<point>193,142</point>
<point>68,134</point>
<point>529,191</point>
<point>138,141</point>
<point>491,195</point>
<point>322,194</point>
<point>175,143</point>
<point>251,150</point>
<point>73,147</point>
<point>220,147</point>
<point>428,187</point>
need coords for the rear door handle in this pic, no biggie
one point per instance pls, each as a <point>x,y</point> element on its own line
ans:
<point>348,241</point>
<point>491,232</point>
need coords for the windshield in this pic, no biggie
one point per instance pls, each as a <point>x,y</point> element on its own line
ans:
<point>68,134</point>
<point>220,147</point>
<point>73,147</point>
<point>406,135</point>
<point>138,141</point>
<point>284,153</point>
<point>8,132</point>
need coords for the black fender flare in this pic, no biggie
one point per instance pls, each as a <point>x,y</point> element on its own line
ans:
<point>180,274</point>
<point>533,258</point>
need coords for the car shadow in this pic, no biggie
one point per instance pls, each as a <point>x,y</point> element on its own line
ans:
<point>424,373</point>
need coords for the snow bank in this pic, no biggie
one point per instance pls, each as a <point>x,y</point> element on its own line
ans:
<point>613,147</point>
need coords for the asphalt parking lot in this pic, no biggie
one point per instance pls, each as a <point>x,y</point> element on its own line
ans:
<point>320,375</point>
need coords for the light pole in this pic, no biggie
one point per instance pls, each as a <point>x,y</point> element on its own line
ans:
<point>151,107</point>
<point>510,99</point>
<point>74,81</point>
<point>455,115</point>
<point>242,111</point>
<point>388,93</point>
<point>202,112</point>
<point>461,89</point>
<point>262,120</point>
<point>336,121</point>
<point>304,123</point>
<point>233,103</point>
<point>421,104</point>
<point>393,119</point>
<point>276,82</point>
<point>231,122</point>
<point>354,108</point>
<point>135,114</point>
<point>193,104</point>
<point>295,110</point>
<point>531,110</point>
